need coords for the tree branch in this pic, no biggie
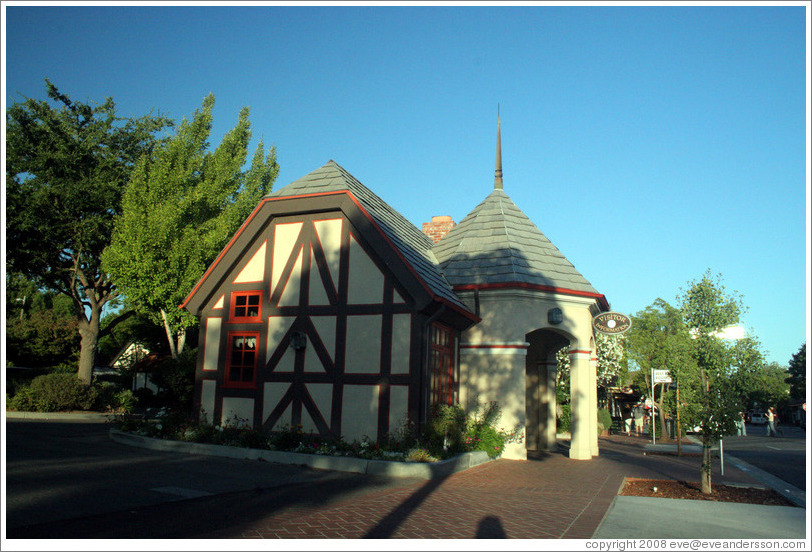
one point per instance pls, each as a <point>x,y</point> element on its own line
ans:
<point>114,322</point>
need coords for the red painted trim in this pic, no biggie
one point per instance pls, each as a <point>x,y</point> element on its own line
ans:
<point>234,319</point>
<point>535,287</point>
<point>493,346</point>
<point>228,384</point>
<point>579,351</point>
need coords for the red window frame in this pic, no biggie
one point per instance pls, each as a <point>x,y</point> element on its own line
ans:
<point>442,365</point>
<point>241,359</point>
<point>246,306</point>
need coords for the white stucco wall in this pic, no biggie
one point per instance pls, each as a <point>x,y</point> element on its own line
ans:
<point>492,363</point>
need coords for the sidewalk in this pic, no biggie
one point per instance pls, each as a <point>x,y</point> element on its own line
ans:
<point>644,517</point>
<point>546,497</point>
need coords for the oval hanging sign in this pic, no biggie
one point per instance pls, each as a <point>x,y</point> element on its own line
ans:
<point>611,322</point>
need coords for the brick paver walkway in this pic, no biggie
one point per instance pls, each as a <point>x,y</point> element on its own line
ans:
<point>547,497</point>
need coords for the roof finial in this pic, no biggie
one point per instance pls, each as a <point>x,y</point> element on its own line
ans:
<point>497,181</point>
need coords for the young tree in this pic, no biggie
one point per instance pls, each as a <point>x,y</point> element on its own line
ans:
<point>66,167</point>
<point>707,309</point>
<point>182,204</point>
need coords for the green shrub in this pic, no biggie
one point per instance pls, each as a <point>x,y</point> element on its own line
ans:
<point>564,419</point>
<point>419,455</point>
<point>444,434</point>
<point>54,393</point>
<point>604,420</point>
<point>176,379</point>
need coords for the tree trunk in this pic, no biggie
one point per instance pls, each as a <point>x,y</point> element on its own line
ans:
<point>89,332</point>
<point>706,465</point>
<point>173,349</point>
<point>181,340</point>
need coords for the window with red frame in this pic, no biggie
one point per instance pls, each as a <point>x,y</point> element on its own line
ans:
<point>242,359</point>
<point>442,365</point>
<point>246,306</point>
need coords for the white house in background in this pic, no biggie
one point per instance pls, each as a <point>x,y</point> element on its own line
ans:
<point>135,355</point>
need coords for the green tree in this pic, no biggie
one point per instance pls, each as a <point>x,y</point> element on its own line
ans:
<point>707,309</point>
<point>659,340</point>
<point>797,374</point>
<point>181,206</point>
<point>747,361</point>
<point>66,167</point>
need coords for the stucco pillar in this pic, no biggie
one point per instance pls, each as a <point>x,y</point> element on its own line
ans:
<point>551,405</point>
<point>580,405</point>
<point>593,401</point>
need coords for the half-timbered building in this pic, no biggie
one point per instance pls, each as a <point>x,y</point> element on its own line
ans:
<point>327,310</point>
<point>330,311</point>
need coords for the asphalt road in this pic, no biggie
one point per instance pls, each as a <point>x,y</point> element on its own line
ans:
<point>59,475</point>
<point>783,456</point>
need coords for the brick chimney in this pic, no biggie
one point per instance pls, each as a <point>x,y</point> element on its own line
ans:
<point>438,227</point>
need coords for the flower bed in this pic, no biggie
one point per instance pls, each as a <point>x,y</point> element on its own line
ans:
<point>450,433</point>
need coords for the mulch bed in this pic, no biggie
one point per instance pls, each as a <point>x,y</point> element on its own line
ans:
<point>692,490</point>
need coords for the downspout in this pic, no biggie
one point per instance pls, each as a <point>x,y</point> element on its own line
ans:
<point>423,413</point>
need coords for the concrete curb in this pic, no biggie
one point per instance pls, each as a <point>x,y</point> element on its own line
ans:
<point>387,468</point>
<point>793,494</point>
<point>66,416</point>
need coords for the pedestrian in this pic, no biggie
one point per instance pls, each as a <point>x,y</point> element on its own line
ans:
<point>638,419</point>
<point>627,421</point>
<point>771,422</point>
<point>777,419</point>
<point>741,428</point>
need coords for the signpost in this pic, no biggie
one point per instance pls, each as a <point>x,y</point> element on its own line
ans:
<point>657,376</point>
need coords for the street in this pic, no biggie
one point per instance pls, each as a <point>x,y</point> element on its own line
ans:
<point>783,456</point>
<point>65,470</point>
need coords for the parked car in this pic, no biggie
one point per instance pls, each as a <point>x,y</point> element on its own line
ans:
<point>758,418</point>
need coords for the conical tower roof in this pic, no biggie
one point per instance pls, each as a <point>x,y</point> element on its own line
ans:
<point>497,245</point>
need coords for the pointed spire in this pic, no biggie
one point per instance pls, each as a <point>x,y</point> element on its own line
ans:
<point>497,181</point>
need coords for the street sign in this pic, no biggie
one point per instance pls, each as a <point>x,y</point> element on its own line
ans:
<point>662,376</point>
<point>611,322</point>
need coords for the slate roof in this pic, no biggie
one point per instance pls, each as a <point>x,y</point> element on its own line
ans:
<point>497,244</point>
<point>413,244</point>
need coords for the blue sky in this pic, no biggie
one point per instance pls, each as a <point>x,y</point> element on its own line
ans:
<point>649,143</point>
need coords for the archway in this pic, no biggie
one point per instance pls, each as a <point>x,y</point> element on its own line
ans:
<point>540,372</point>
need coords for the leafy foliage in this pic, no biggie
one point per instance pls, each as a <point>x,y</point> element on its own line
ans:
<point>797,374</point>
<point>477,431</point>
<point>54,393</point>
<point>44,338</point>
<point>176,378</point>
<point>66,167</point>
<point>707,308</point>
<point>181,206</point>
